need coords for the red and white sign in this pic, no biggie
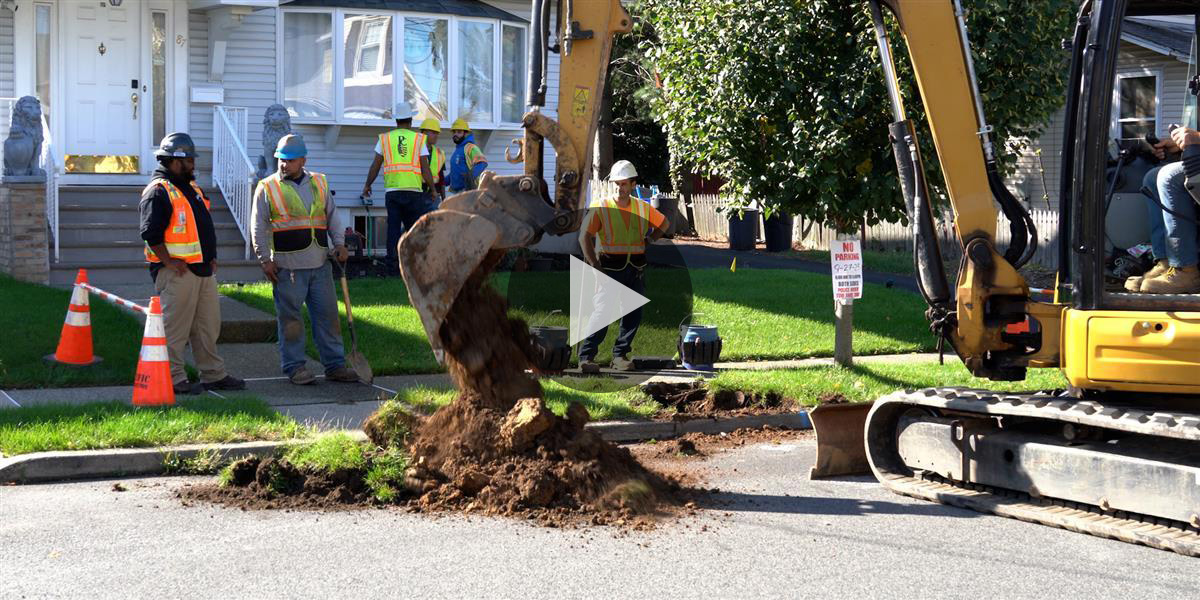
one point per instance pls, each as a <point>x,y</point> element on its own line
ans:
<point>846,259</point>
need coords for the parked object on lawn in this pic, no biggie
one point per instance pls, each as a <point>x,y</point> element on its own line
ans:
<point>75,342</point>
<point>743,229</point>
<point>777,229</point>
<point>699,347</point>
<point>550,344</point>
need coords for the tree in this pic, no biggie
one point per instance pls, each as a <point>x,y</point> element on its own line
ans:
<point>785,100</point>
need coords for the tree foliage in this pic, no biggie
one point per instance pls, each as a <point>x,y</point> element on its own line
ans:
<point>637,136</point>
<point>785,99</point>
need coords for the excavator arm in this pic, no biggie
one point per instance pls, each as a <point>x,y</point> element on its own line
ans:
<point>447,245</point>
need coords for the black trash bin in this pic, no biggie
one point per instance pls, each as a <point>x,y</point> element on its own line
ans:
<point>778,231</point>
<point>551,347</point>
<point>743,229</point>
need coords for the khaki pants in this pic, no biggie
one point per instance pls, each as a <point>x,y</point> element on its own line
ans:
<point>191,313</point>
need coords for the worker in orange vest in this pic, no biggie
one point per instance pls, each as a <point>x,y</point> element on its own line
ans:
<point>181,247</point>
<point>623,225</point>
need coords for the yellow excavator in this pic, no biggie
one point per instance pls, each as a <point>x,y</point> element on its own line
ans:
<point>1115,455</point>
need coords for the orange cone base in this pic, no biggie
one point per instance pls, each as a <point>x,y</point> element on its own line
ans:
<point>53,358</point>
<point>152,384</point>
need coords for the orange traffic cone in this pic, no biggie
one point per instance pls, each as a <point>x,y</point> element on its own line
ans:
<point>75,343</point>
<point>152,385</point>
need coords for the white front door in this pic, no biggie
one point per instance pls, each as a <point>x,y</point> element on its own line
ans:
<point>102,72</point>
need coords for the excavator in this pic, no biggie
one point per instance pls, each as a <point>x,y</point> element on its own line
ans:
<point>1116,454</point>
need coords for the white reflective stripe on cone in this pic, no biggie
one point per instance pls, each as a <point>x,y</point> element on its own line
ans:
<point>154,353</point>
<point>79,297</point>
<point>154,327</point>
<point>78,319</point>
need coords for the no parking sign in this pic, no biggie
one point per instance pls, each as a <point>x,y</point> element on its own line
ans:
<point>846,261</point>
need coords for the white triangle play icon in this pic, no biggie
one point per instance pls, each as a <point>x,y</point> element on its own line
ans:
<point>587,316</point>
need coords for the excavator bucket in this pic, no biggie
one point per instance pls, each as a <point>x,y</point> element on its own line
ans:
<point>841,448</point>
<point>436,257</point>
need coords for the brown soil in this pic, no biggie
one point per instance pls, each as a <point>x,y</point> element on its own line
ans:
<point>274,484</point>
<point>495,450</point>
<point>680,401</point>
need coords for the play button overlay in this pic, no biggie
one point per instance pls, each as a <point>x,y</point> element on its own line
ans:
<point>563,300</point>
<point>588,315</point>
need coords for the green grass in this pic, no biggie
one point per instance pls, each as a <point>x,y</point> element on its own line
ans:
<point>119,425</point>
<point>329,452</point>
<point>880,261</point>
<point>32,320</point>
<point>385,477</point>
<point>762,314</point>
<point>604,399</point>
<point>865,382</point>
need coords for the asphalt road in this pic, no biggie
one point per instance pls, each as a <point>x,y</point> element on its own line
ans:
<point>784,536</point>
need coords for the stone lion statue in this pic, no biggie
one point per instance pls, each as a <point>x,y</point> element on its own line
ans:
<point>23,146</point>
<point>276,124</point>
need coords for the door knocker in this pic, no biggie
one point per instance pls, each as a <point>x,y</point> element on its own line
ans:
<point>102,49</point>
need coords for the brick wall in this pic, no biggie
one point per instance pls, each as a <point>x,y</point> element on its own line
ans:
<point>24,241</point>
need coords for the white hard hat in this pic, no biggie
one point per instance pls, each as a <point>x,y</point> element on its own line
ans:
<point>402,111</point>
<point>621,170</point>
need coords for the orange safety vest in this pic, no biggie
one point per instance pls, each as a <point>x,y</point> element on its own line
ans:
<point>402,159</point>
<point>619,237</point>
<point>293,229</point>
<point>181,237</point>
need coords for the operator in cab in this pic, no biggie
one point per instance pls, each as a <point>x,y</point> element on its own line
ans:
<point>623,225</point>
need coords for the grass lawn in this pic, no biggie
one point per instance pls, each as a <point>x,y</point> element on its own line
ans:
<point>762,314</point>
<point>32,320</point>
<point>602,397</point>
<point>119,425</point>
<point>880,261</point>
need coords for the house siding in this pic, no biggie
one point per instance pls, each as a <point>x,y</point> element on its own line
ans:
<point>7,76</point>
<point>1026,180</point>
<point>251,81</point>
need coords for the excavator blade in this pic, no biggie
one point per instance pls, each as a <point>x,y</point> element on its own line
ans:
<point>841,449</point>
<point>436,257</point>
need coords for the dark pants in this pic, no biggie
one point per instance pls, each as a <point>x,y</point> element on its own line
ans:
<point>403,210</point>
<point>635,279</point>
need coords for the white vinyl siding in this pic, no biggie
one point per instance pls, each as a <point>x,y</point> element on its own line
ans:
<point>6,54</point>
<point>251,81</point>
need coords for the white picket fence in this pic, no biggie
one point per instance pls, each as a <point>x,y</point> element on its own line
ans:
<point>712,223</point>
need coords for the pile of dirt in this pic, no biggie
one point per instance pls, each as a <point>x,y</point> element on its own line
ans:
<point>273,483</point>
<point>692,399</point>
<point>498,450</point>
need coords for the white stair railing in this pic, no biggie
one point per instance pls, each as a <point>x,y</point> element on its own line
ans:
<point>233,173</point>
<point>50,165</point>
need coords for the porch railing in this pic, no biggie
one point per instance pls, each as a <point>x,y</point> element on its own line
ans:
<point>233,173</point>
<point>50,165</point>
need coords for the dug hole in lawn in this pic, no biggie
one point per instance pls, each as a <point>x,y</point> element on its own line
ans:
<point>497,449</point>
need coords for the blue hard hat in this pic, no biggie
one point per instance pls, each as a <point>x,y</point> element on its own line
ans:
<point>291,146</point>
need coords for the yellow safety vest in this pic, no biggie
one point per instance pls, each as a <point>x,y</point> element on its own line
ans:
<point>619,237</point>
<point>402,159</point>
<point>437,159</point>
<point>292,228</point>
<point>182,238</point>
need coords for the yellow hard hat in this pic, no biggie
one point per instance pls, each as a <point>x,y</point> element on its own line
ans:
<point>460,124</point>
<point>432,125</point>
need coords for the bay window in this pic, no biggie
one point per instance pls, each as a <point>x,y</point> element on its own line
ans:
<point>444,66</point>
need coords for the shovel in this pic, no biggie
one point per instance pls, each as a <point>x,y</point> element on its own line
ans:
<point>357,361</point>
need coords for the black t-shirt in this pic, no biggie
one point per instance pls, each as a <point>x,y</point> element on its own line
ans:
<point>155,209</point>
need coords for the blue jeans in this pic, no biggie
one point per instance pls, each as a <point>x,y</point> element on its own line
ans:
<point>313,287</point>
<point>1171,237</point>
<point>634,279</point>
<point>403,210</point>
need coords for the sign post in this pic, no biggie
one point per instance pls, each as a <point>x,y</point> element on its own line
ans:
<point>846,266</point>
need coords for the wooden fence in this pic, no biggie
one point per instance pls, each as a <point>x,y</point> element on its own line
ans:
<point>711,223</point>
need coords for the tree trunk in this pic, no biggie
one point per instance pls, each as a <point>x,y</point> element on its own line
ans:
<point>602,152</point>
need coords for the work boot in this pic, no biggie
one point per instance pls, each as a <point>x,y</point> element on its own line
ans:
<point>342,374</point>
<point>228,383</point>
<point>1176,280</point>
<point>187,388</point>
<point>1134,284</point>
<point>622,363</point>
<point>589,366</point>
<point>301,376</point>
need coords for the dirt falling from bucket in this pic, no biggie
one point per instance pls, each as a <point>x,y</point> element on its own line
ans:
<point>497,449</point>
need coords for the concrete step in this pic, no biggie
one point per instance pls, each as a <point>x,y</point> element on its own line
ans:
<point>125,272</point>
<point>103,233</point>
<point>123,212</point>
<point>132,250</point>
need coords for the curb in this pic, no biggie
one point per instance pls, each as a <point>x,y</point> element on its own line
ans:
<point>46,467</point>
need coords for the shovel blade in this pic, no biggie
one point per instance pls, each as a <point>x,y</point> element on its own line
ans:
<point>359,363</point>
<point>841,446</point>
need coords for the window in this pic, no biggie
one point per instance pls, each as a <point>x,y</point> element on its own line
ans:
<point>41,42</point>
<point>368,72</point>
<point>158,72</point>
<point>1137,106</point>
<point>448,67</point>
<point>426,74</point>
<point>512,81</point>
<point>308,64</point>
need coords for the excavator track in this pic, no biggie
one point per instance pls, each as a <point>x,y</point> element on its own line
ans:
<point>959,410</point>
